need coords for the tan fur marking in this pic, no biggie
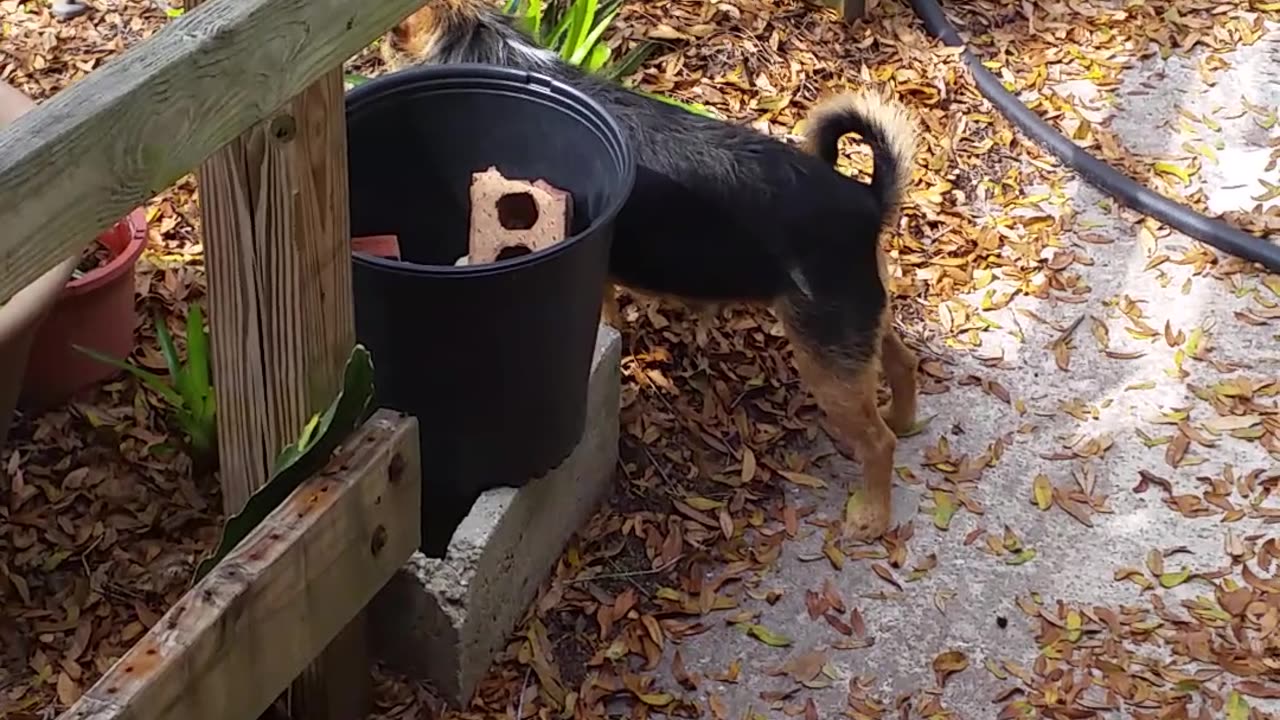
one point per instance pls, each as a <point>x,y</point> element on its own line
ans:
<point>899,364</point>
<point>849,401</point>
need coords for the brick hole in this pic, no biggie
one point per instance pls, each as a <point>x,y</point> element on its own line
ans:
<point>517,211</point>
<point>513,251</point>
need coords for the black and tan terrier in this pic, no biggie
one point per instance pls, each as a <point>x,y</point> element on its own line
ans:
<point>722,213</point>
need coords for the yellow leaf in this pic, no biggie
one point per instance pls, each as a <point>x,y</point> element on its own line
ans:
<point>767,636</point>
<point>835,555</point>
<point>1042,491</point>
<point>1237,707</point>
<point>1074,625</point>
<point>748,465</point>
<point>1025,556</point>
<point>1273,284</point>
<point>944,508</point>
<point>1174,169</point>
<point>1273,192</point>
<point>803,479</point>
<point>917,427</point>
<point>703,504</point>
<point>851,507</point>
<point>655,699</point>
<point>1174,579</point>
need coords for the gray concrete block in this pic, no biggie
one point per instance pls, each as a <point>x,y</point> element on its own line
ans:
<point>444,619</point>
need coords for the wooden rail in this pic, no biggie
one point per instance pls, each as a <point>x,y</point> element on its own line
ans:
<point>250,91</point>
<point>83,159</point>
<point>231,644</point>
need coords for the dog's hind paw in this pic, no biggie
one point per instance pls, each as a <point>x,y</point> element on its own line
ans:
<point>867,521</point>
<point>899,422</point>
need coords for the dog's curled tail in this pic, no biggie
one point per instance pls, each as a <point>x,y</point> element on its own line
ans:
<point>884,124</point>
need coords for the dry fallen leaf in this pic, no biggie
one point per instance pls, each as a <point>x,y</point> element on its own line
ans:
<point>947,664</point>
<point>767,636</point>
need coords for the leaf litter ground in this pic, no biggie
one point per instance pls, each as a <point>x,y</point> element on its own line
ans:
<point>1084,515</point>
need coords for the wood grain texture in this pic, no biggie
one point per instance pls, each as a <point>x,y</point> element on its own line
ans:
<point>231,644</point>
<point>96,150</point>
<point>275,213</point>
<point>276,223</point>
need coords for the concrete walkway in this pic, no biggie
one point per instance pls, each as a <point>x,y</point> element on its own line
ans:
<point>1095,415</point>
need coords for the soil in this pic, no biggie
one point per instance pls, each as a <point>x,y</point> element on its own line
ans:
<point>92,257</point>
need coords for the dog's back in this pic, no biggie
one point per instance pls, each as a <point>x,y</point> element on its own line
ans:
<point>719,211</point>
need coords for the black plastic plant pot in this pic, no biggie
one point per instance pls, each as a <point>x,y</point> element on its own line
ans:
<point>493,359</point>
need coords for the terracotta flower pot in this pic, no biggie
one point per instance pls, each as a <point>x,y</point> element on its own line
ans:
<point>19,319</point>
<point>95,311</point>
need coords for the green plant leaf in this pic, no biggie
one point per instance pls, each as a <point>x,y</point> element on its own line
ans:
<point>322,434</point>
<point>583,13</point>
<point>632,61</point>
<point>598,58</point>
<point>558,19</point>
<point>170,353</point>
<point>155,382</point>
<point>592,39</point>
<point>695,108</point>
<point>533,16</point>
<point>198,373</point>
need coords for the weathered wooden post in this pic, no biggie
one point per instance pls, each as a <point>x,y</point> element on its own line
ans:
<point>274,211</point>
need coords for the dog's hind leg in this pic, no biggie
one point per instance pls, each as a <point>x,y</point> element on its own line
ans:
<point>844,381</point>
<point>899,364</point>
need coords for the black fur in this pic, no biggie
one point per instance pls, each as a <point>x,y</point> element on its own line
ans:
<point>721,212</point>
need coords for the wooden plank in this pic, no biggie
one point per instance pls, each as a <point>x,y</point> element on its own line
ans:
<point>275,214</point>
<point>276,228</point>
<point>231,644</point>
<point>83,159</point>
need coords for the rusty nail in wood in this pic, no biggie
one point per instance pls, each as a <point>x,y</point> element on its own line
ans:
<point>396,470</point>
<point>379,540</point>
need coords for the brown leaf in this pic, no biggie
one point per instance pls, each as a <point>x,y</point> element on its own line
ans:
<point>885,574</point>
<point>68,690</point>
<point>1269,585</point>
<point>856,622</point>
<point>804,667</point>
<point>840,626</point>
<point>832,595</point>
<point>947,664</point>
<point>1146,479</point>
<point>719,710</point>
<point>748,466</point>
<point>1259,690</point>
<point>680,674</point>
<point>816,604</point>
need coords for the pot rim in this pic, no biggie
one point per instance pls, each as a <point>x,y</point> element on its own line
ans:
<point>136,225</point>
<point>538,86</point>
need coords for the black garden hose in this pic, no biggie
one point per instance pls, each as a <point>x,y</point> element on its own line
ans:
<point>1098,173</point>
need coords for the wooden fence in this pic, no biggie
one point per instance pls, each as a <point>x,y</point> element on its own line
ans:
<point>249,94</point>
